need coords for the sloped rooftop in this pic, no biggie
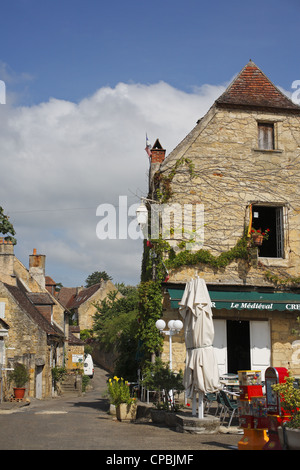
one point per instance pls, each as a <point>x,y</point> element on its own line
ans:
<point>253,88</point>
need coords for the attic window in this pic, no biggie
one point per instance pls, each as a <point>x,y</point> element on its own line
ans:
<point>266,136</point>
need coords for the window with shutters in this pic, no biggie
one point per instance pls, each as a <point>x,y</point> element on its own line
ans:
<point>266,136</point>
<point>270,217</point>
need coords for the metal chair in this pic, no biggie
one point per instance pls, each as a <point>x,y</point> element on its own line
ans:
<point>230,406</point>
<point>221,405</point>
<point>209,399</point>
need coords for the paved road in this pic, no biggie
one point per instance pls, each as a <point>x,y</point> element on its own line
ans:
<point>84,424</point>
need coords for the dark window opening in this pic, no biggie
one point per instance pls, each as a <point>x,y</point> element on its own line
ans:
<point>238,346</point>
<point>266,138</point>
<point>269,217</point>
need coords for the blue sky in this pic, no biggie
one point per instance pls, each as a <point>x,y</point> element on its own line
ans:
<point>70,48</point>
<point>85,80</point>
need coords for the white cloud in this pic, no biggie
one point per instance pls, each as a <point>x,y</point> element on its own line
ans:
<point>60,160</point>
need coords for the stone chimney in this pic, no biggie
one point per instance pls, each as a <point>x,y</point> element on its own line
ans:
<point>156,158</point>
<point>7,261</point>
<point>37,268</point>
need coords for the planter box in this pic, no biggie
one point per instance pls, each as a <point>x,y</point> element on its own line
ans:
<point>126,412</point>
<point>158,416</point>
<point>289,438</point>
<point>164,418</point>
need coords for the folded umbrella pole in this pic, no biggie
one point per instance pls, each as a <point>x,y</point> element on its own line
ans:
<point>201,373</point>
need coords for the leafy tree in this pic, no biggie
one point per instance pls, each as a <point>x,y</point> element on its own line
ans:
<point>97,277</point>
<point>6,227</point>
<point>115,327</point>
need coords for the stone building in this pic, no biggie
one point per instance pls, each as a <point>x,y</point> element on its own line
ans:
<point>237,171</point>
<point>81,302</point>
<point>34,326</point>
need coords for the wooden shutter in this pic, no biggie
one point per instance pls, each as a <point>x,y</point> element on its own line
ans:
<point>266,136</point>
<point>279,232</point>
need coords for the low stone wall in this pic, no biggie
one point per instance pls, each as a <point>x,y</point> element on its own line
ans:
<point>103,358</point>
<point>186,423</point>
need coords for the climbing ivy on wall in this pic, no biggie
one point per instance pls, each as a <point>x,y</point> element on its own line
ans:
<point>162,183</point>
<point>189,258</point>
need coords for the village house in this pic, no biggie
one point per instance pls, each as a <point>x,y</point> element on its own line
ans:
<point>239,170</point>
<point>34,326</point>
<point>81,302</point>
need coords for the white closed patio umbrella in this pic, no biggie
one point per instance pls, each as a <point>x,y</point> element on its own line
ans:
<point>201,373</point>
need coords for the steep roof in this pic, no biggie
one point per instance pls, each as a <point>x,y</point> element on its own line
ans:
<point>21,297</point>
<point>65,294</point>
<point>253,88</point>
<point>83,296</point>
<point>250,89</point>
<point>71,298</point>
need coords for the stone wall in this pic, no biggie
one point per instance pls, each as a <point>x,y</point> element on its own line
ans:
<point>230,173</point>
<point>25,343</point>
<point>220,166</point>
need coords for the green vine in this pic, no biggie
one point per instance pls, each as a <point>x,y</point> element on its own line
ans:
<point>150,310</point>
<point>190,258</point>
<point>154,271</point>
<point>277,280</point>
<point>151,296</point>
<point>162,183</point>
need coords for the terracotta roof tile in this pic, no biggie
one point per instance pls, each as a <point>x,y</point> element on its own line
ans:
<point>252,88</point>
<point>82,296</point>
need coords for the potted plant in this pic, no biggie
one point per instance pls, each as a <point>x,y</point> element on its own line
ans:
<point>119,394</point>
<point>258,236</point>
<point>289,433</point>
<point>19,376</point>
<point>159,378</point>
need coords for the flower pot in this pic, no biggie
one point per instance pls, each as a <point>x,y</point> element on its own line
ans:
<point>289,438</point>
<point>257,239</point>
<point>19,393</point>
<point>126,412</point>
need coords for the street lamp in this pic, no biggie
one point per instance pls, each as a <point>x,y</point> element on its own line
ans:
<point>174,327</point>
<point>142,214</point>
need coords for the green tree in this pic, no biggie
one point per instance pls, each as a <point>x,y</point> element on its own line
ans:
<point>97,277</point>
<point>115,327</point>
<point>6,227</point>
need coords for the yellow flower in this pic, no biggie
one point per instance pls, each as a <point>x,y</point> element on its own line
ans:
<point>109,380</point>
<point>116,378</point>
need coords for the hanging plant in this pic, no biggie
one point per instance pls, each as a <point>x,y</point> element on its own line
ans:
<point>258,236</point>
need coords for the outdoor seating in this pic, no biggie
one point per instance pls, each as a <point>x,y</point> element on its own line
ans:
<point>209,399</point>
<point>221,405</point>
<point>230,406</point>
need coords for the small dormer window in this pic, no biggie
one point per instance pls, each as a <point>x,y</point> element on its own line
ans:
<point>266,136</point>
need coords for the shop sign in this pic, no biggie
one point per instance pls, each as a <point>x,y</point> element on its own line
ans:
<point>255,306</point>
